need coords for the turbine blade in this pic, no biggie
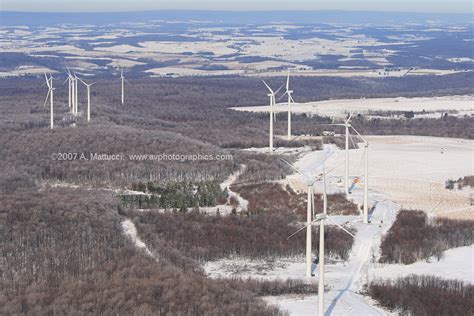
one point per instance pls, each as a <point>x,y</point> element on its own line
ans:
<point>291,98</point>
<point>82,81</point>
<point>288,81</point>
<point>349,119</point>
<point>352,141</point>
<point>296,232</point>
<point>46,100</point>
<point>296,169</point>
<point>276,92</point>
<point>268,87</point>
<point>362,137</point>
<point>340,226</point>
<point>318,218</point>
<point>282,96</point>
<point>47,80</point>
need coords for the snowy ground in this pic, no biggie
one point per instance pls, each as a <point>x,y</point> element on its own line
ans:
<point>340,108</point>
<point>347,72</point>
<point>457,263</point>
<point>344,279</point>
<point>130,231</point>
<point>404,155</point>
<point>409,170</point>
<point>243,203</point>
<point>412,170</point>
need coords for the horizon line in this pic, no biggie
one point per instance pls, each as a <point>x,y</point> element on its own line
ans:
<point>238,11</point>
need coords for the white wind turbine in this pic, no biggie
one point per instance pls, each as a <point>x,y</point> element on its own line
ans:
<point>272,95</point>
<point>88,86</point>
<point>289,92</point>
<point>321,219</point>
<point>74,95</point>
<point>69,80</point>
<point>49,82</point>
<point>365,214</point>
<point>122,77</point>
<point>71,91</point>
<point>310,210</point>
<point>348,126</point>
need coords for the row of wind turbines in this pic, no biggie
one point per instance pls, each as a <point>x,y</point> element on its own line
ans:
<point>73,100</point>
<point>311,218</point>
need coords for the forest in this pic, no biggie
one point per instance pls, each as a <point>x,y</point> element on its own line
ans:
<point>177,236</point>
<point>62,246</point>
<point>423,295</point>
<point>63,252</point>
<point>413,236</point>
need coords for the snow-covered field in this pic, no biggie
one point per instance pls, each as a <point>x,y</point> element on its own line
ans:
<point>412,170</point>
<point>357,71</point>
<point>340,108</point>
<point>409,170</point>
<point>457,263</point>
<point>405,157</point>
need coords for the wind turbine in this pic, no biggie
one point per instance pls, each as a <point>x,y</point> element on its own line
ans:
<point>288,92</point>
<point>365,215</point>
<point>71,88</point>
<point>76,103</point>
<point>69,80</point>
<point>73,96</point>
<point>310,210</point>
<point>123,85</point>
<point>49,82</point>
<point>347,126</point>
<point>88,97</point>
<point>321,219</point>
<point>271,94</point>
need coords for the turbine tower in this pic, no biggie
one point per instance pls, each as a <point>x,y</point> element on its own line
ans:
<point>365,214</point>
<point>75,105</point>
<point>289,92</point>
<point>69,81</point>
<point>71,89</point>
<point>309,214</point>
<point>123,83</point>
<point>88,86</point>
<point>49,83</point>
<point>347,126</point>
<point>272,95</point>
<point>346,169</point>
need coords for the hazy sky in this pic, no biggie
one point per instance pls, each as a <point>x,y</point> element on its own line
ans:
<point>440,6</point>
